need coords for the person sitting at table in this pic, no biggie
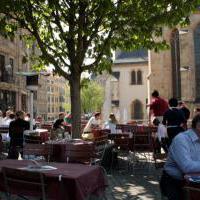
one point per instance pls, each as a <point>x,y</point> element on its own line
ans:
<point>111,123</point>
<point>161,137</point>
<point>16,133</point>
<point>183,158</point>
<point>93,123</point>
<point>58,126</point>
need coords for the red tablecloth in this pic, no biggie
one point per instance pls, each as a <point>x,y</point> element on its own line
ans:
<point>77,181</point>
<point>59,148</point>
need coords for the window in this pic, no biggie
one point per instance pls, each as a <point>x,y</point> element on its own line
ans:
<point>49,110</point>
<point>139,77</point>
<point>133,78</point>
<point>136,77</point>
<point>116,75</point>
<point>11,67</point>
<point>137,110</point>
<point>2,67</point>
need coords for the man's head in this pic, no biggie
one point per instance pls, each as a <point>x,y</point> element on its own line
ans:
<point>155,94</point>
<point>173,102</point>
<point>196,123</point>
<point>20,114</point>
<point>97,115</point>
<point>61,115</point>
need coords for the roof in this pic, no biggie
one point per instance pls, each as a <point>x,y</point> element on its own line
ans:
<point>131,57</point>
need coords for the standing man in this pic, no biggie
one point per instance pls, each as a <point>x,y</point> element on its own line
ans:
<point>174,119</point>
<point>16,133</point>
<point>158,106</point>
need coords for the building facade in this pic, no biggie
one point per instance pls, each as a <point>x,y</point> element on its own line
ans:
<point>176,72</point>
<point>126,89</point>
<point>13,93</point>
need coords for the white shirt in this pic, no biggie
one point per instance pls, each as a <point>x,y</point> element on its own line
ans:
<point>162,132</point>
<point>111,126</point>
<point>92,121</point>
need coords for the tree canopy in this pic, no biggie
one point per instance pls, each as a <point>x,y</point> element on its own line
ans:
<point>80,35</point>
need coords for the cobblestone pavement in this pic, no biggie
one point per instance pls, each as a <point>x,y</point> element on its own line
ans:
<point>140,184</point>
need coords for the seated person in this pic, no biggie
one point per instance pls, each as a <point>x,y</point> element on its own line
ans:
<point>93,123</point>
<point>183,158</point>
<point>58,125</point>
<point>161,137</point>
<point>111,123</point>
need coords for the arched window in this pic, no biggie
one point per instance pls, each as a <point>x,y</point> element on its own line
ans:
<point>137,110</point>
<point>197,61</point>
<point>175,55</point>
<point>139,77</point>
<point>133,78</point>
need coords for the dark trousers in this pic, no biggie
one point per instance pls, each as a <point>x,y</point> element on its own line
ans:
<point>172,132</point>
<point>171,187</point>
<point>163,144</point>
<point>16,147</point>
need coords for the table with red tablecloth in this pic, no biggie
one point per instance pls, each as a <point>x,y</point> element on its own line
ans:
<point>67,182</point>
<point>192,193</point>
<point>58,148</point>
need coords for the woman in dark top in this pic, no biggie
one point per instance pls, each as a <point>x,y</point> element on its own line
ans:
<point>174,119</point>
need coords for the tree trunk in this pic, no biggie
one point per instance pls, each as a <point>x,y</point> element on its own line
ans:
<point>75,105</point>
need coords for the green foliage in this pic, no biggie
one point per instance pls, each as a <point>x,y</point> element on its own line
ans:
<point>92,97</point>
<point>69,32</point>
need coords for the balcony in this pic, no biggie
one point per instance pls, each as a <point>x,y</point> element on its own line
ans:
<point>7,79</point>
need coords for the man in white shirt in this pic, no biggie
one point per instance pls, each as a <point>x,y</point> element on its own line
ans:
<point>94,122</point>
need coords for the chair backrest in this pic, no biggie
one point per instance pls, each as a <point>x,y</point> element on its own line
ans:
<point>142,138</point>
<point>34,139</point>
<point>17,180</point>
<point>100,143</point>
<point>122,143</point>
<point>83,153</point>
<point>191,192</point>
<point>37,150</point>
<point>125,128</point>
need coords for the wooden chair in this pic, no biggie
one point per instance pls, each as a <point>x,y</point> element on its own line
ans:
<point>142,147</point>
<point>37,150</point>
<point>17,181</point>
<point>80,153</point>
<point>191,193</point>
<point>32,139</point>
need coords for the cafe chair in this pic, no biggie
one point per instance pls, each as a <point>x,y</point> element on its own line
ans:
<point>33,139</point>
<point>17,181</point>
<point>37,151</point>
<point>142,147</point>
<point>80,153</point>
<point>191,193</point>
<point>100,144</point>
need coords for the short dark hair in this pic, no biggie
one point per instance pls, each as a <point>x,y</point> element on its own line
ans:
<point>173,102</point>
<point>19,113</point>
<point>195,120</point>
<point>155,93</point>
<point>96,114</point>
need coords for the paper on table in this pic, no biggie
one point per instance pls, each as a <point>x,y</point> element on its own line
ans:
<point>37,168</point>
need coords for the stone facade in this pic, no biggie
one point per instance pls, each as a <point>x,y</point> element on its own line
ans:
<point>13,93</point>
<point>161,65</point>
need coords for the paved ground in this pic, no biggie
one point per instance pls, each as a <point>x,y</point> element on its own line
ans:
<point>134,185</point>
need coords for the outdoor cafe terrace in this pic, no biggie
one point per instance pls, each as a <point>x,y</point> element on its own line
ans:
<point>110,166</point>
